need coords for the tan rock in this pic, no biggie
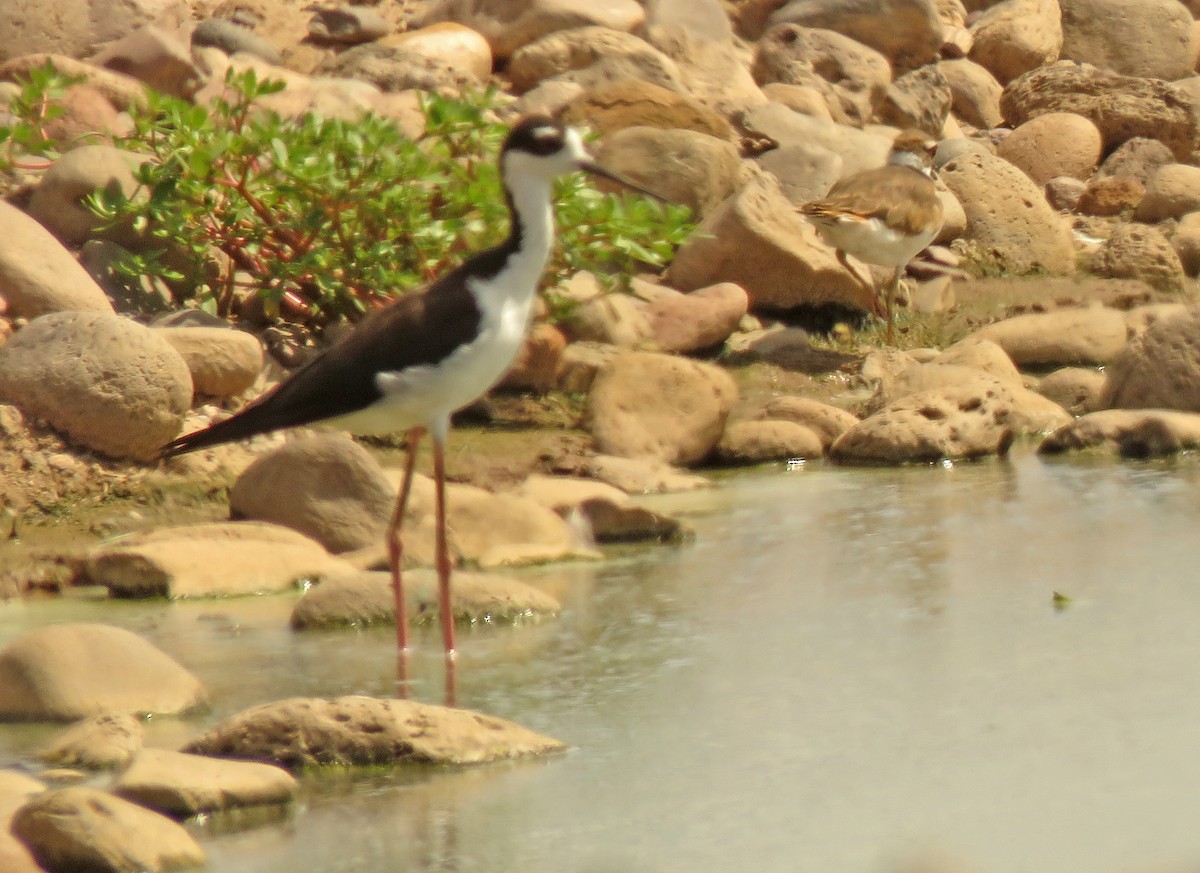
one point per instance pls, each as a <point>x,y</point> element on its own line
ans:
<point>118,89</point>
<point>858,149</point>
<point>661,407</point>
<point>1186,243</point>
<point>983,355</point>
<point>756,240</point>
<point>805,99</point>
<point>366,599</point>
<point>223,362</point>
<point>1075,389</point>
<point>682,166</point>
<point>827,422</point>
<point>182,785</point>
<point>700,320</point>
<point>209,560</point>
<point>919,99</point>
<point>366,731</point>
<point>507,25</point>
<point>1113,195</point>
<point>38,275</point>
<point>59,204</point>
<point>1137,251</point>
<point>582,360</point>
<point>1095,335</point>
<point>804,172</point>
<point>1135,433</point>
<point>1173,192</point>
<point>607,510</point>
<point>102,742</point>
<point>539,361</point>
<point>1008,216</point>
<point>1017,36</point>
<point>155,56</point>
<point>907,32</point>
<point>592,56</point>
<point>642,475</point>
<point>461,47</point>
<point>82,828</point>
<point>1138,158</point>
<point>64,672</point>
<point>974,92</point>
<point>15,789</point>
<point>757,442</point>
<point>612,106</point>
<point>105,382</point>
<point>1064,193</point>
<point>1139,319</point>
<point>614,319</point>
<point>1054,144</point>
<point>1122,107</point>
<point>75,29</point>
<point>398,63</point>
<point>1150,38</point>
<point>1159,369</point>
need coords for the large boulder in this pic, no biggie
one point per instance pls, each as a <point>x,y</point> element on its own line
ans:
<point>658,406</point>
<point>106,382</point>
<point>38,275</point>
<point>366,731</point>
<point>1095,335</point>
<point>1052,145</point>
<point>1159,369</point>
<point>1016,36</point>
<point>82,828</point>
<point>907,32</point>
<point>1151,38</point>
<point>70,671</point>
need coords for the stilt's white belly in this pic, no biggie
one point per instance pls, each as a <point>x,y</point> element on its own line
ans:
<point>427,395</point>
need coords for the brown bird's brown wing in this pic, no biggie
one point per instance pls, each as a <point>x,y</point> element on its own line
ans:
<point>906,199</point>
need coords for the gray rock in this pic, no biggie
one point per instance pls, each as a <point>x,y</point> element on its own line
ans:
<point>231,37</point>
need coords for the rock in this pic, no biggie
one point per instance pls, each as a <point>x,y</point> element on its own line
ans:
<point>658,406</point>
<point>907,32</point>
<point>827,422</point>
<point>366,599</point>
<point>82,828</point>
<point>850,76</point>
<point>1186,243</point>
<point>399,63</point>
<point>72,28</point>
<point>324,486</point>
<point>461,49</point>
<point>1008,216</point>
<point>1095,335</point>
<point>209,560</point>
<point>582,360</point>
<point>1075,389</point>
<point>1109,196</point>
<point>1054,144</point>
<point>920,99</point>
<point>805,99</point>
<point>705,318</point>
<point>155,57</point>
<point>1137,251</point>
<point>1159,369</point>
<point>1137,158</point>
<point>102,742</point>
<point>232,38</point>
<point>351,25</point>
<point>508,25</point>
<point>642,475</point>
<point>804,172</point>
<point>613,319</point>
<point>682,166</point>
<point>1150,38</point>
<point>608,512</point>
<point>858,149</point>
<point>969,421</point>
<point>223,362</point>
<point>182,785</point>
<point>65,672</point>
<point>539,361</point>
<point>756,442</point>
<point>611,106</point>
<point>1139,319</point>
<point>974,92</point>
<point>1064,193</point>
<point>15,789</point>
<point>1147,433</point>
<point>118,89</point>
<point>592,56</point>
<point>88,118</point>
<point>1014,37</point>
<point>107,383</point>
<point>58,201</point>
<point>365,731</point>
<point>37,274</point>
<point>984,355</point>
<point>1173,192</point>
<point>1121,107</point>
<point>757,241</point>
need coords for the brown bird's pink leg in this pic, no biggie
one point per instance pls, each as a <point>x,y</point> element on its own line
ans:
<point>876,305</point>
<point>443,569</point>
<point>893,288</point>
<point>395,544</point>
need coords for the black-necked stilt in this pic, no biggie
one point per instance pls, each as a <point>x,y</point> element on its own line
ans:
<point>410,365</point>
<point>883,216</point>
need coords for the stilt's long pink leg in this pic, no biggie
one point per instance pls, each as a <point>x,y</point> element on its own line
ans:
<point>395,544</point>
<point>443,569</point>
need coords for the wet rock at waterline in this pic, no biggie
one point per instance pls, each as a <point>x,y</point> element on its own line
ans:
<point>1160,368</point>
<point>1133,433</point>
<point>182,785</point>
<point>365,599</point>
<point>209,560</point>
<point>1075,389</point>
<point>85,829</point>
<point>102,742</point>
<point>15,790</point>
<point>104,381</point>
<point>827,422</point>
<point>639,475</point>
<point>366,731</point>
<point>606,510</point>
<point>756,442</point>
<point>70,671</point>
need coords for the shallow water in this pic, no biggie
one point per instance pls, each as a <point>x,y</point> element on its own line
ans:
<point>845,667</point>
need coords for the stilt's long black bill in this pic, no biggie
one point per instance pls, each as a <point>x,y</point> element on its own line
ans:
<point>597,170</point>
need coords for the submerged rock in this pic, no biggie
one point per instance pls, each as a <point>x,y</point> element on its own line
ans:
<point>101,742</point>
<point>1133,433</point>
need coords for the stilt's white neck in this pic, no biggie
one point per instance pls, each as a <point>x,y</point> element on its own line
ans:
<point>533,229</point>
